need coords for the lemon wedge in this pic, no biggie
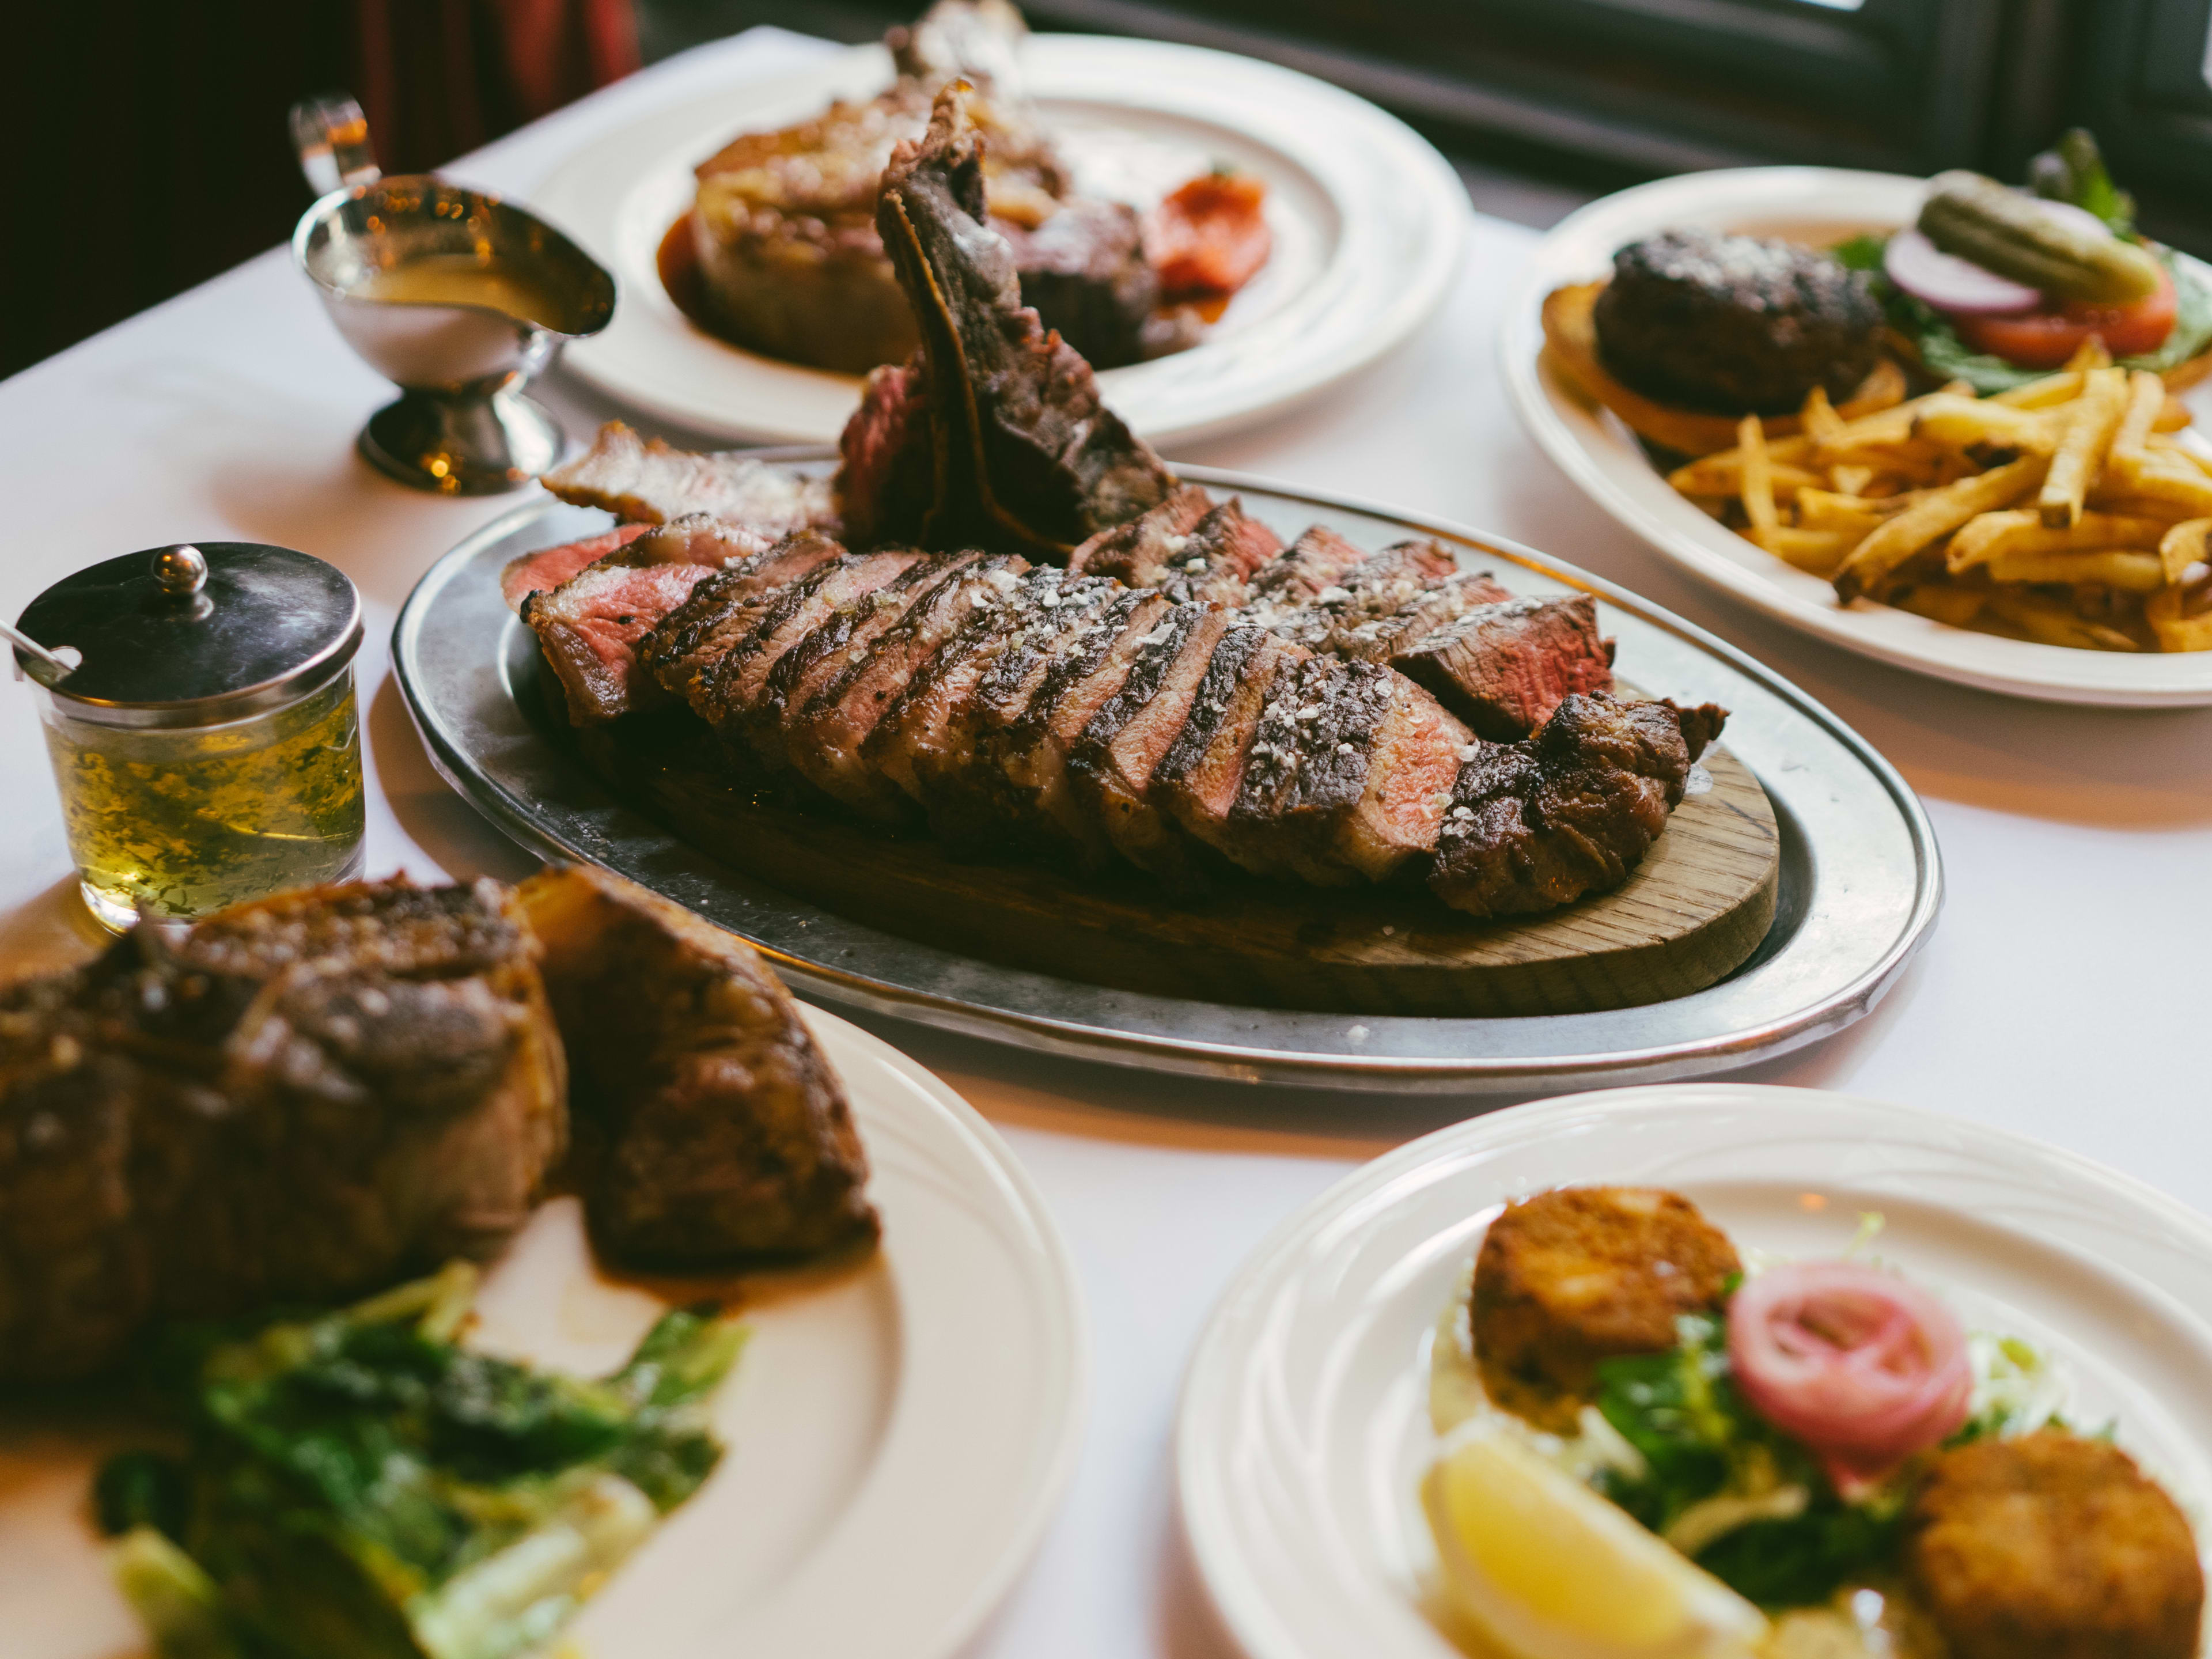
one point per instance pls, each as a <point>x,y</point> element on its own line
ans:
<point>1549,1570</point>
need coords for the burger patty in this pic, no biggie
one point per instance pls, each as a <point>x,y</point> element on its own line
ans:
<point>1734,324</point>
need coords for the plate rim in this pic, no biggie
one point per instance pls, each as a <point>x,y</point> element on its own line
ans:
<point>1229,1584</point>
<point>1411,305</point>
<point>1247,1061</point>
<point>1543,409</point>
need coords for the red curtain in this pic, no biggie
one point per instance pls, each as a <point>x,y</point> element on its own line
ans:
<point>439,77</point>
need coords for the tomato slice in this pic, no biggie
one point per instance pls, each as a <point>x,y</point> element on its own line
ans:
<point>1210,236</point>
<point>2046,339</point>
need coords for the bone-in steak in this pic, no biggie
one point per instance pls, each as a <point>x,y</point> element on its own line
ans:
<point>1539,823</point>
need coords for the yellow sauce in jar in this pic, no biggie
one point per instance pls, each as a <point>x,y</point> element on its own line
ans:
<point>184,821</point>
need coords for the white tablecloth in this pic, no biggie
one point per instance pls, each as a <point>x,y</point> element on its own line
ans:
<point>2063,992</point>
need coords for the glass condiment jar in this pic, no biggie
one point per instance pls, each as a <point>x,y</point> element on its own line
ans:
<point>206,742</point>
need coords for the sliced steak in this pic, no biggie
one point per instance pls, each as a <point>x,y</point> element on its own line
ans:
<point>1385,602</point>
<point>887,478</point>
<point>926,745</point>
<point>1136,552</point>
<point>824,739</point>
<point>1197,782</point>
<point>638,478</point>
<point>1504,668</point>
<point>550,567</point>
<point>1028,458</point>
<point>1318,559</point>
<point>1539,823</point>
<point>1032,748</point>
<point>841,640</point>
<point>1112,761</point>
<point>722,608</point>
<point>590,627</point>
<point>1348,777</point>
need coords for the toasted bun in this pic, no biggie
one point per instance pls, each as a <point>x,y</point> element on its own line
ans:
<point>1570,343</point>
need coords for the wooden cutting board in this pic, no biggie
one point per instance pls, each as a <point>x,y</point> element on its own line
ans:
<point>1690,914</point>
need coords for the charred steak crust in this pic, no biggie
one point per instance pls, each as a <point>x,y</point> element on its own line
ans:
<point>1504,667</point>
<point>723,1134</point>
<point>1539,823</point>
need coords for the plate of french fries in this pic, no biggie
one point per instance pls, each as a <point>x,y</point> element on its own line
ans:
<point>2049,542</point>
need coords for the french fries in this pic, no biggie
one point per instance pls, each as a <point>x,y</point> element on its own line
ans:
<point>2063,512</point>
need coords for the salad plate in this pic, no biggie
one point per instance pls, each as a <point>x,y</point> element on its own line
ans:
<point>1820,206</point>
<point>1304,1426</point>
<point>898,1434</point>
<point>1368,221</point>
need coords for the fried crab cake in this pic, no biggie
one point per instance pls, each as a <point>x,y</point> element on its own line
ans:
<point>1571,1277</point>
<point>2052,1546</point>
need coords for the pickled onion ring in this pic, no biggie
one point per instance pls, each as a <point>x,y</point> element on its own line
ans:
<point>1863,1367</point>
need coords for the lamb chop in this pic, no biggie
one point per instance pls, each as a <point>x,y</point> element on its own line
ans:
<point>724,1136</point>
<point>1027,458</point>
<point>308,1098</point>
<point>590,627</point>
<point>1348,775</point>
<point>1539,823</point>
<point>1504,668</point>
<point>645,479</point>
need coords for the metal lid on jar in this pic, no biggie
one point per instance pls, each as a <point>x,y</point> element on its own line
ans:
<point>193,635</point>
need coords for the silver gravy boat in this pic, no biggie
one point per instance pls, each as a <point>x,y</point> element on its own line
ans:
<point>461,425</point>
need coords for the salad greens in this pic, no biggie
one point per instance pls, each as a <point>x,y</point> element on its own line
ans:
<point>359,1486</point>
<point>1747,1503</point>
<point>2073,172</point>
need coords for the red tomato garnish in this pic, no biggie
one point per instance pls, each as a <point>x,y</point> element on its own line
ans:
<point>2046,339</point>
<point>1210,236</point>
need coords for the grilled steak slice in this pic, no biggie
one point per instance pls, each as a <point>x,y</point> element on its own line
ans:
<point>1032,749</point>
<point>723,1134</point>
<point>1504,668</point>
<point>1348,776</point>
<point>305,1098</point>
<point>1385,602</point>
<point>592,626</point>
<point>548,568</point>
<point>825,740</point>
<point>1136,553</point>
<point>841,640</point>
<point>927,744</point>
<point>637,478</point>
<point>723,673</point>
<point>1028,458</point>
<point>1111,763</point>
<point>1318,559</point>
<point>1539,823</point>
<point>1197,782</point>
<point>888,470</point>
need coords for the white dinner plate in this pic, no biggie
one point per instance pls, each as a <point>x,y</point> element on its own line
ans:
<point>899,1434</point>
<point>1368,222</point>
<point>1821,205</point>
<point>1304,1426</point>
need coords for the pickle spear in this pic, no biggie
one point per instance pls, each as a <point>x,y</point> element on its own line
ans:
<point>2020,237</point>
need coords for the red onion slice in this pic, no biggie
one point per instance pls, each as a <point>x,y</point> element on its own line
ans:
<point>1950,283</point>
<point>1863,1367</point>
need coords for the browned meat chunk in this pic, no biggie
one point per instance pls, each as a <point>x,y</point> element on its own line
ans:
<point>1504,668</point>
<point>1197,781</point>
<point>1136,552</point>
<point>1084,270</point>
<point>825,739</point>
<point>725,1137</point>
<point>1539,823</point>
<point>1347,776</point>
<point>1112,761</point>
<point>307,1099</point>
<point>1028,458</point>
<point>2054,1546</point>
<point>1032,749</point>
<point>1582,1273</point>
<point>1318,559</point>
<point>637,478</point>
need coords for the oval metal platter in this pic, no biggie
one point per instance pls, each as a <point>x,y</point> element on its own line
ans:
<point>1861,881</point>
